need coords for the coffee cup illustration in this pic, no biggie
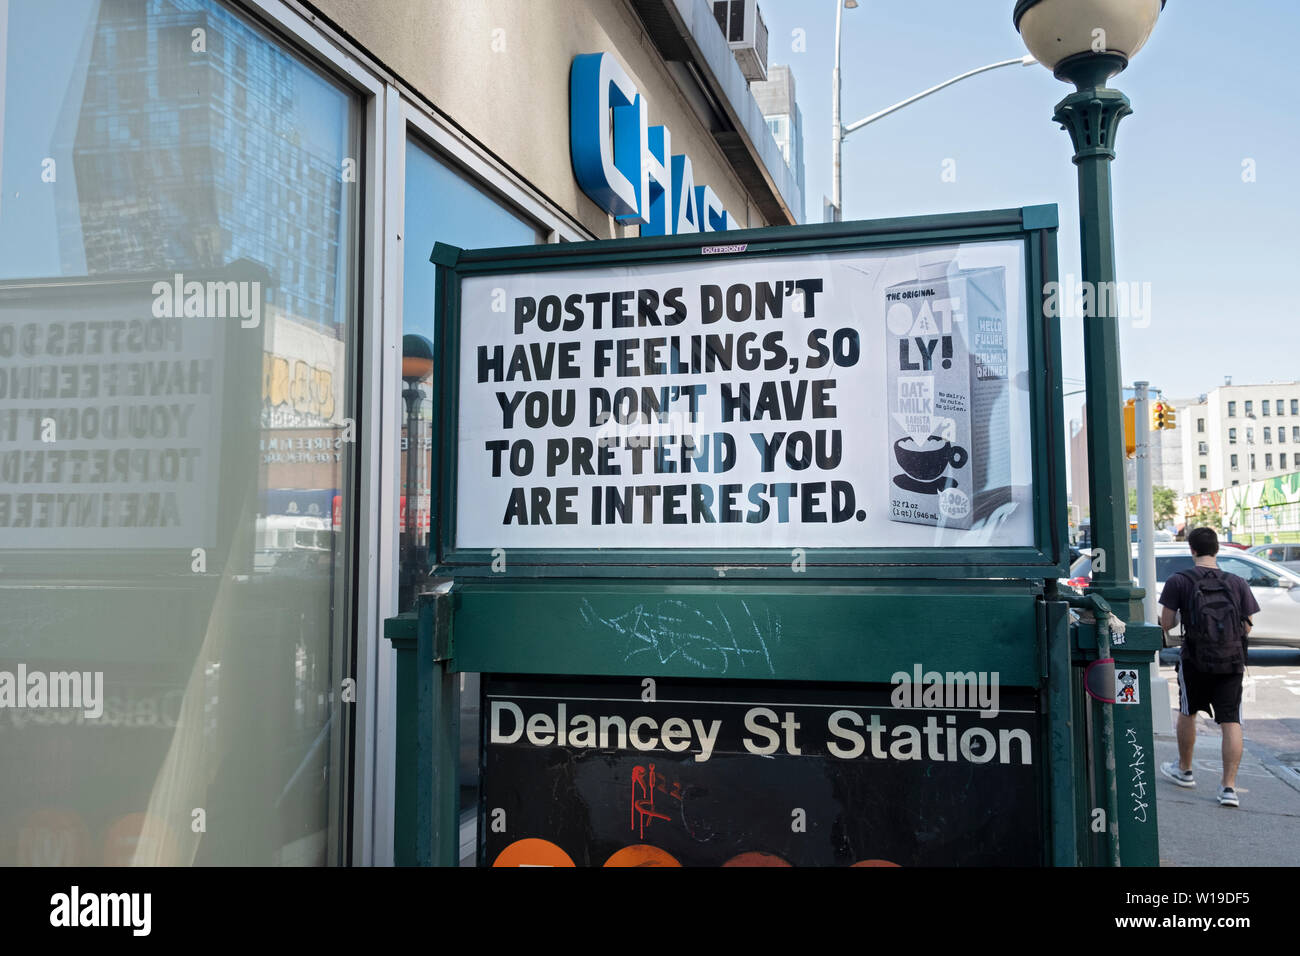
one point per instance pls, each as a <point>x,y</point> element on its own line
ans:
<point>926,462</point>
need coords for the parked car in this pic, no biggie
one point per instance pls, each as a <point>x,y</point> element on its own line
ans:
<point>1287,555</point>
<point>1080,573</point>
<point>1276,588</point>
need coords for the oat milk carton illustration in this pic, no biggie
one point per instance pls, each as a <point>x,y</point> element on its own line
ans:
<point>946,349</point>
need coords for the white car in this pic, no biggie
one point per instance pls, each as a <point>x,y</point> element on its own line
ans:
<point>1276,589</point>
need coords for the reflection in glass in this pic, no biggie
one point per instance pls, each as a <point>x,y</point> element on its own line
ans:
<point>441,206</point>
<point>177,292</point>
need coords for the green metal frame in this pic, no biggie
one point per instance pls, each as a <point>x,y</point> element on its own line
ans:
<point>1035,226</point>
<point>855,615</point>
<point>847,632</point>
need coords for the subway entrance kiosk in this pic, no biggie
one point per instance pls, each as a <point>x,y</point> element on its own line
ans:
<point>755,546</point>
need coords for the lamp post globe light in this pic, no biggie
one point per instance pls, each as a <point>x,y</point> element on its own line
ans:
<point>1086,42</point>
<point>417,358</point>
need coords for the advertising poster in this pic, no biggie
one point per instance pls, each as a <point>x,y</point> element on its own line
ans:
<point>865,399</point>
<point>933,769</point>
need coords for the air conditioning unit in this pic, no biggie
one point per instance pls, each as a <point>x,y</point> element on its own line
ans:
<point>742,24</point>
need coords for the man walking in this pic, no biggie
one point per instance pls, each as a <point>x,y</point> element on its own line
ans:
<point>1215,608</point>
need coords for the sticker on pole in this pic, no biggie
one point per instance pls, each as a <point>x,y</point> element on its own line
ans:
<point>1126,687</point>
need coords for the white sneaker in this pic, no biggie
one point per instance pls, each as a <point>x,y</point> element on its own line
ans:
<point>1181,777</point>
<point>1228,797</point>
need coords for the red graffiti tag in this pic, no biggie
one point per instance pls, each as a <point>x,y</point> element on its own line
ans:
<point>644,784</point>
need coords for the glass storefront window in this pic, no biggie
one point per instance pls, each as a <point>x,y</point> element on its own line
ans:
<point>442,205</point>
<point>179,200</point>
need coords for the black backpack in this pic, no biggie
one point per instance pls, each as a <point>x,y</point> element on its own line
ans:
<point>1213,633</point>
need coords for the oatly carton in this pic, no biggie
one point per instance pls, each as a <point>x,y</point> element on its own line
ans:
<point>948,398</point>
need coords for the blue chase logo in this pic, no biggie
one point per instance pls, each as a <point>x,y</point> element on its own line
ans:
<point>626,165</point>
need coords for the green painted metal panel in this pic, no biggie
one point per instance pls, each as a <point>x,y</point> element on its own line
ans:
<point>1040,217</point>
<point>823,633</point>
<point>1135,754</point>
<point>412,792</point>
<point>1062,811</point>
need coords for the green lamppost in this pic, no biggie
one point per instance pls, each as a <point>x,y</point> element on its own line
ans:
<point>1086,42</point>
<point>417,365</point>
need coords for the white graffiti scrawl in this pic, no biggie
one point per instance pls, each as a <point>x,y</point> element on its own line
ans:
<point>711,643</point>
<point>1138,766</point>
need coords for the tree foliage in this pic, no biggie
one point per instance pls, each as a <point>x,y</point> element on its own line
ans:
<point>1162,504</point>
<point>1206,518</point>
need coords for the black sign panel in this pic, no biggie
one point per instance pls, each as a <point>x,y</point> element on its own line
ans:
<point>937,769</point>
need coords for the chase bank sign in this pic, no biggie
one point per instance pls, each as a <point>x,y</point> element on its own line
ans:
<point>625,165</point>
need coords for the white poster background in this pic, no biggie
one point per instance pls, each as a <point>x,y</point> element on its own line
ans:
<point>852,296</point>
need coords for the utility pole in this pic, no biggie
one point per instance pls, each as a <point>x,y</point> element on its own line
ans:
<point>1250,473</point>
<point>1161,721</point>
<point>837,132</point>
<point>1145,505</point>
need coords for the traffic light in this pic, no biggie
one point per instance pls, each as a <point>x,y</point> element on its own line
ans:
<point>1158,416</point>
<point>1130,428</point>
<point>1169,416</point>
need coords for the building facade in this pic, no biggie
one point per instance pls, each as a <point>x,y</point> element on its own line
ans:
<point>776,98</point>
<point>1164,450</point>
<point>1237,434</point>
<point>215,227</point>
<point>1079,496</point>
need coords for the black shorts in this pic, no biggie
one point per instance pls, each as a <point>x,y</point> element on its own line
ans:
<point>1218,695</point>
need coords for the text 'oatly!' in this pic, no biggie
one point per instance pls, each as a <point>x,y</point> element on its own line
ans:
<point>946,345</point>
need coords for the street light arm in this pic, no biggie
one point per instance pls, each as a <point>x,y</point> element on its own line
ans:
<point>1022,60</point>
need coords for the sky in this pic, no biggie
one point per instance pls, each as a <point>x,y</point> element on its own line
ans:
<point>1215,256</point>
<point>1212,254</point>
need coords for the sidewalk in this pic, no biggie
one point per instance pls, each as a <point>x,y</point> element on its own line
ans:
<point>1196,831</point>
